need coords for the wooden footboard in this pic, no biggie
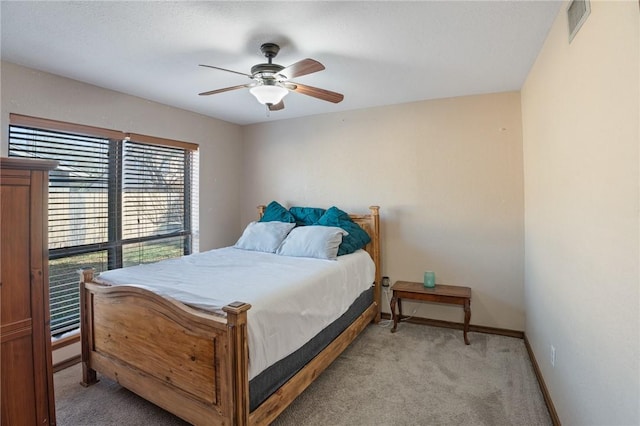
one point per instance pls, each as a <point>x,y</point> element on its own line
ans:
<point>191,364</point>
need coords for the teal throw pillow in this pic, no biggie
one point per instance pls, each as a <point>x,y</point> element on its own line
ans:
<point>276,213</point>
<point>306,215</point>
<point>357,238</point>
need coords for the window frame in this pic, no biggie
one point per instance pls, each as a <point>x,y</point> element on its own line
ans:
<point>115,243</point>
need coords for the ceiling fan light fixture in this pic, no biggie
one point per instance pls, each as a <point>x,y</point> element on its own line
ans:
<point>269,93</point>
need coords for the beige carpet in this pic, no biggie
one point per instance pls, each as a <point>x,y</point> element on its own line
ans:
<point>420,375</point>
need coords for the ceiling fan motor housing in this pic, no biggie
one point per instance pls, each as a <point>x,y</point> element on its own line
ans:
<point>266,70</point>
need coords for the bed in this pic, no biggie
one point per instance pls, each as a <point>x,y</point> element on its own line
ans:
<point>195,363</point>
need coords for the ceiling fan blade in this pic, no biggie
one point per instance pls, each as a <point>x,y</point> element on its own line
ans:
<point>325,95</point>
<point>276,107</point>
<point>224,69</point>
<point>226,89</point>
<point>303,67</point>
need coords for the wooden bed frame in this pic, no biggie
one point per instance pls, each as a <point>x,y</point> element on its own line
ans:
<point>194,364</point>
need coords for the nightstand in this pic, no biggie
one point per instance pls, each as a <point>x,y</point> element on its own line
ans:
<point>441,293</point>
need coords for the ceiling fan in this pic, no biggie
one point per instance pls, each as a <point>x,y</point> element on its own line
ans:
<point>272,82</point>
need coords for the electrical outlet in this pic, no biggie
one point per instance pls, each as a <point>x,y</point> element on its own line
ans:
<point>553,356</point>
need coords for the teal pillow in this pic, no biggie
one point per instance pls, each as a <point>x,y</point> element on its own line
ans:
<point>357,238</point>
<point>306,215</point>
<point>276,213</point>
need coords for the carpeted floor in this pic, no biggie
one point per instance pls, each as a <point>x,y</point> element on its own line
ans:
<point>420,375</point>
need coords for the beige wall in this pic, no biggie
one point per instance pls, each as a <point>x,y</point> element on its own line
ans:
<point>581,136</point>
<point>447,175</point>
<point>29,92</point>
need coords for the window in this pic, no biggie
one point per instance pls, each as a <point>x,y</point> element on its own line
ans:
<point>115,200</point>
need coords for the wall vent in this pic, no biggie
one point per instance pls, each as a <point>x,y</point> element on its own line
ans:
<point>577,13</point>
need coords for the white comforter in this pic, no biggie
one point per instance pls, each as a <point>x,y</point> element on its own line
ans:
<point>292,298</point>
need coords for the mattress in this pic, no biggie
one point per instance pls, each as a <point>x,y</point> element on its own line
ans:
<point>274,376</point>
<point>292,298</point>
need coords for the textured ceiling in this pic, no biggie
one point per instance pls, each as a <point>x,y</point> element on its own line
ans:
<point>375,53</point>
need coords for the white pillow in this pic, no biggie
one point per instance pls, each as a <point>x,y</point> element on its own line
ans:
<point>264,236</point>
<point>321,242</point>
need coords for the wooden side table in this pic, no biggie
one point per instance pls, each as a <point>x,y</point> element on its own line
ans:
<point>439,294</point>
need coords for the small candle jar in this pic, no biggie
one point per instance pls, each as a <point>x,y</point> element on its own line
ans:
<point>430,279</point>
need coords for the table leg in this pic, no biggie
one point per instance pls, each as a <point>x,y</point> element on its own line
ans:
<point>467,318</point>
<point>394,299</point>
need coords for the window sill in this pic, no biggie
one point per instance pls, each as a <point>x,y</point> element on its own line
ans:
<point>66,341</point>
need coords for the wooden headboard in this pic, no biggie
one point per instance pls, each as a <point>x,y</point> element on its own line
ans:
<point>371,224</point>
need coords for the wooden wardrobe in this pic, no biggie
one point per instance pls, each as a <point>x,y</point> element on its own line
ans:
<point>25,355</point>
